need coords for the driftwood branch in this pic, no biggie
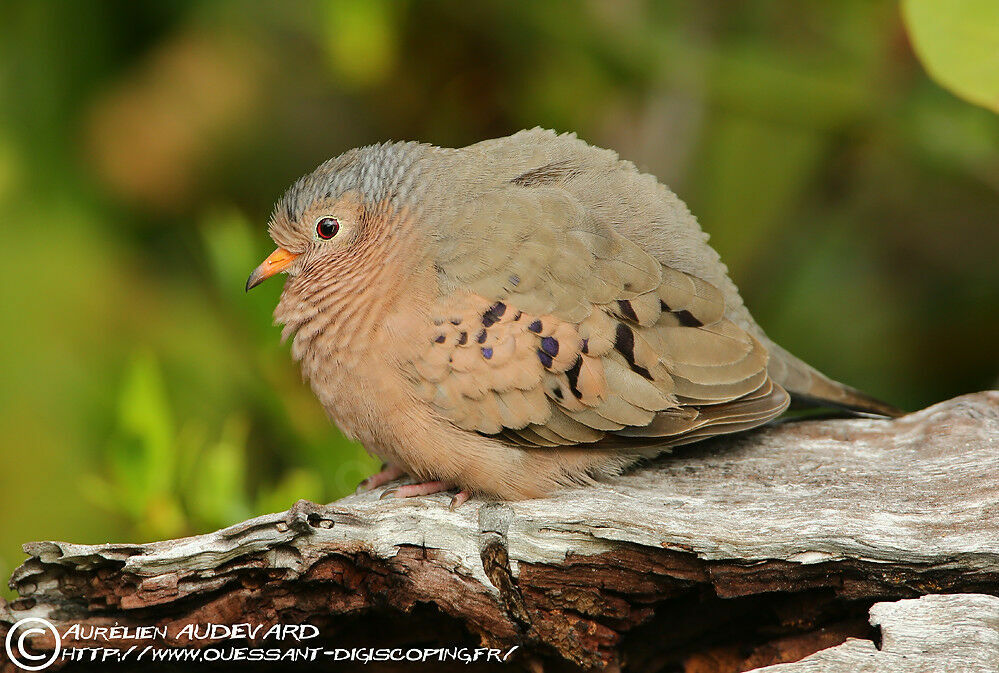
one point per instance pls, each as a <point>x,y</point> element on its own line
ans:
<point>796,543</point>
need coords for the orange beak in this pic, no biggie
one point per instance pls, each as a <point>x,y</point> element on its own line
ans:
<point>277,261</point>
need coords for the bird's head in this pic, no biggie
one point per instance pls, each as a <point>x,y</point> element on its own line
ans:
<point>328,221</point>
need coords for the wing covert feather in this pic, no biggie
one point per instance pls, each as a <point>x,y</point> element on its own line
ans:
<point>553,329</point>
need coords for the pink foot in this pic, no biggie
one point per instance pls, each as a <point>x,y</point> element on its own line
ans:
<point>410,490</point>
<point>427,488</point>
<point>387,474</point>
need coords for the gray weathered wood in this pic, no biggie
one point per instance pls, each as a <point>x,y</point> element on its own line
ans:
<point>956,633</point>
<point>838,513</point>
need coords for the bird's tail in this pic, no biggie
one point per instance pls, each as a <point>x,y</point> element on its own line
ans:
<point>809,387</point>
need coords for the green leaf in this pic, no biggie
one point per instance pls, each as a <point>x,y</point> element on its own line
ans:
<point>217,491</point>
<point>958,44</point>
<point>144,457</point>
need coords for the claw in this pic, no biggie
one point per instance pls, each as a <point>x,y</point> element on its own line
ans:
<point>388,493</point>
<point>459,499</point>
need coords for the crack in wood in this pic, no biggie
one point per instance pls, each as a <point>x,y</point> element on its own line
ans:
<point>494,522</point>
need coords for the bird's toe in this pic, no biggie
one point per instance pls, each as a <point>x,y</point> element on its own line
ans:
<point>388,473</point>
<point>459,499</point>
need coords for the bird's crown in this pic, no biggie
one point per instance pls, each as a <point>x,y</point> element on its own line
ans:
<point>381,173</point>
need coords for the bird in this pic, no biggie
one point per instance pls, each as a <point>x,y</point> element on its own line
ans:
<point>519,316</point>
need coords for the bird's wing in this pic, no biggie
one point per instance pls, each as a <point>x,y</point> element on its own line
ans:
<point>553,329</point>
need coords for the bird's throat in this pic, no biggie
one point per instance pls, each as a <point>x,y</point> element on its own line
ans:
<point>337,312</point>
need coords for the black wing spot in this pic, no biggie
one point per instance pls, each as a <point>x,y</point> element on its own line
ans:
<point>627,310</point>
<point>687,319</point>
<point>624,342</point>
<point>573,375</point>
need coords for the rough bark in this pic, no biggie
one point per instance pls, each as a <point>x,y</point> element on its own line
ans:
<point>732,554</point>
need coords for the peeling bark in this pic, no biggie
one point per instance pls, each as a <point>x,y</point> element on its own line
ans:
<point>733,554</point>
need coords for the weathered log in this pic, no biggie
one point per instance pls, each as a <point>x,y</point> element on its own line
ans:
<point>731,554</point>
<point>958,633</point>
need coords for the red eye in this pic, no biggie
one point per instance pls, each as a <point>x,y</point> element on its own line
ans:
<point>327,227</point>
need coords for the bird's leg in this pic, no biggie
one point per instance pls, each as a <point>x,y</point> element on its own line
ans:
<point>388,473</point>
<point>428,488</point>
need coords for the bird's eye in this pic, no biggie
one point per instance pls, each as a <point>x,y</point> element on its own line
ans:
<point>327,227</point>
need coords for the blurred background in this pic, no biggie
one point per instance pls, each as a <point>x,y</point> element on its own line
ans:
<point>142,145</point>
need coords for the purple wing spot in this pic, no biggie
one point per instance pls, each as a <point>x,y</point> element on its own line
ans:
<point>493,314</point>
<point>550,346</point>
<point>535,326</point>
<point>487,353</point>
<point>545,358</point>
<point>439,339</point>
<point>481,337</point>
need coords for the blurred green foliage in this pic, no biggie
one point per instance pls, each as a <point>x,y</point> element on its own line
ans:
<point>142,145</point>
<point>167,480</point>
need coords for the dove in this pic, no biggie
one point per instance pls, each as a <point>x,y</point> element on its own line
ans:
<point>519,316</point>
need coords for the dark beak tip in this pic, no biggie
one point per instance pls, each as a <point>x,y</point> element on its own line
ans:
<point>252,281</point>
